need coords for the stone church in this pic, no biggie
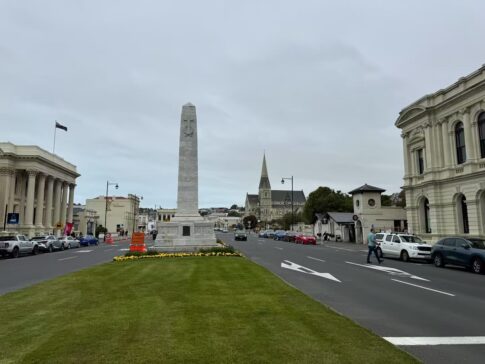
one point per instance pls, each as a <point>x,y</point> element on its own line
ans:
<point>271,204</point>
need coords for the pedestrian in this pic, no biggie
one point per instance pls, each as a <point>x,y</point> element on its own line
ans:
<point>372,245</point>
<point>154,234</point>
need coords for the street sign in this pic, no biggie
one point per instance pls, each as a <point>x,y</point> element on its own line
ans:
<point>13,218</point>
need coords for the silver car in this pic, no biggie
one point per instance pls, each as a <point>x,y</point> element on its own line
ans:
<point>69,242</point>
<point>48,243</point>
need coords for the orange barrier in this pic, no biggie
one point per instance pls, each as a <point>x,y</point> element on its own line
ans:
<point>138,242</point>
<point>109,239</point>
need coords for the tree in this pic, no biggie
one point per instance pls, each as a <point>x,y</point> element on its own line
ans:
<point>286,221</point>
<point>234,207</point>
<point>386,200</point>
<point>401,202</point>
<point>324,199</point>
<point>100,229</point>
<point>250,221</point>
<point>233,213</point>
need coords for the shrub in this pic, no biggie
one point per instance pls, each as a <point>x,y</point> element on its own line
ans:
<point>222,249</point>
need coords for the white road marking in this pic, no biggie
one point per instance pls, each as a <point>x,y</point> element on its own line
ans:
<point>299,268</point>
<point>66,258</point>
<point>83,251</point>
<point>321,260</point>
<point>429,289</point>
<point>107,250</point>
<point>124,249</point>
<point>391,271</point>
<point>277,247</point>
<point>334,247</point>
<point>450,340</point>
<point>260,240</point>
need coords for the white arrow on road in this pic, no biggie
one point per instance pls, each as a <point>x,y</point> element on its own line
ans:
<point>293,266</point>
<point>389,270</point>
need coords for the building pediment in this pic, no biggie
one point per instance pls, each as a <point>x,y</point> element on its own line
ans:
<point>409,114</point>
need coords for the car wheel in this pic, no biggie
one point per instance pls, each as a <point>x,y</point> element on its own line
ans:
<point>50,249</point>
<point>404,256</point>
<point>477,265</point>
<point>438,260</point>
<point>15,252</point>
<point>379,253</point>
<point>35,250</point>
<point>62,246</point>
<point>96,243</point>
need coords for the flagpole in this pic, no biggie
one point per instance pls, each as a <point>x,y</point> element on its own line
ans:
<point>54,146</point>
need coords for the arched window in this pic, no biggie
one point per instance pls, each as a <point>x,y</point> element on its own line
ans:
<point>462,214</point>
<point>481,133</point>
<point>460,143</point>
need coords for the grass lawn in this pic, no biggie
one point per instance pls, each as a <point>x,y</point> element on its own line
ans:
<point>179,310</point>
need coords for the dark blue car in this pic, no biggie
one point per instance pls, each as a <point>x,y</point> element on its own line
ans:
<point>469,253</point>
<point>88,240</point>
<point>279,235</point>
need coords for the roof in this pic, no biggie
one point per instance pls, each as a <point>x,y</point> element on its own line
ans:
<point>341,217</point>
<point>285,195</point>
<point>252,198</point>
<point>264,181</point>
<point>366,188</point>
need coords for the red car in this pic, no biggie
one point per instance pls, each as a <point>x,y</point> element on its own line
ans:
<point>305,239</point>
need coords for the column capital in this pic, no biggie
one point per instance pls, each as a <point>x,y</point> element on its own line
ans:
<point>72,185</point>
<point>6,171</point>
<point>32,172</point>
<point>405,135</point>
<point>464,110</point>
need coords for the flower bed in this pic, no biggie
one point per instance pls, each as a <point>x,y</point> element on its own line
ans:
<point>177,255</point>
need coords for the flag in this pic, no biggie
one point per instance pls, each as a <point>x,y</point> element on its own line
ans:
<point>59,126</point>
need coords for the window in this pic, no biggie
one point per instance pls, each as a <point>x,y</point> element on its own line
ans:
<point>185,230</point>
<point>460,143</point>
<point>357,203</point>
<point>372,202</point>
<point>481,133</point>
<point>464,212</point>
<point>419,155</point>
<point>449,242</point>
<point>395,239</point>
<point>389,238</point>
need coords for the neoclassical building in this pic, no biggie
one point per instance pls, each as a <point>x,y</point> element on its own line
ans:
<point>444,160</point>
<point>37,185</point>
<point>271,204</point>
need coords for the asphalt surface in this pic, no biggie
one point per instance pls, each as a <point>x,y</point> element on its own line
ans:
<point>394,299</point>
<point>28,269</point>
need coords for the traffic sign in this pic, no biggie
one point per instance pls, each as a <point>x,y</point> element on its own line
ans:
<point>13,218</point>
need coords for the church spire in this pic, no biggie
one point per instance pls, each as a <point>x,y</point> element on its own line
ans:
<point>264,181</point>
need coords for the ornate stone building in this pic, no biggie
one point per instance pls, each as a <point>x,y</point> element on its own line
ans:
<point>444,160</point>
<point>37,185</point>
<point>271,204</point>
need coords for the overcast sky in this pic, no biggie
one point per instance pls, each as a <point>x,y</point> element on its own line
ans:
<point>317,84</point>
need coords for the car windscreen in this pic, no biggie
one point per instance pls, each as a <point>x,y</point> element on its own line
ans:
<point>7,238</point>
<point>478,243</point>
<point>39,238</point>
<point>411,239</point>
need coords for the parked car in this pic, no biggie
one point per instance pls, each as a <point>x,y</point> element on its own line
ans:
<point>48,243</point>
<point>269,233</point>
<point>403,246</point>
<point>290,236</point>
<point>224,230</point>
<point>88,240</point>
<point>240,235</point>
<point>261,233</point>
<point>279,235</point>
<point>69,242</point>
<point>469,253</point>
<point>14,245</point>
<point>305,239</point>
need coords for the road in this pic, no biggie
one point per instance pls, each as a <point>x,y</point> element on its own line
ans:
<point>27,270</point>
<point>405,303</point>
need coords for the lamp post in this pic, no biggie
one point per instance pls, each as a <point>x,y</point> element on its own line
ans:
<point>135,199</point>
<point>108,183</point>
<point>292,213</point>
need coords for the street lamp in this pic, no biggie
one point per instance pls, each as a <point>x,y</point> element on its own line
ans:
<point>292,213</point>
<point>108,183</point>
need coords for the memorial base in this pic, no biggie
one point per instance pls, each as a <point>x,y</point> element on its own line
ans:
<point>184,236</point>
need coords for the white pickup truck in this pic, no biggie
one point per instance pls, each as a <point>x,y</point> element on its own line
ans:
<point>403,246</point>
<point>14,245</point>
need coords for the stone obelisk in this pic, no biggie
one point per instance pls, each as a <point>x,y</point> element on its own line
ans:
<point>188,231</point>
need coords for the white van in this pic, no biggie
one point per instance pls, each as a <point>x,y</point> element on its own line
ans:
<point>404,246</point>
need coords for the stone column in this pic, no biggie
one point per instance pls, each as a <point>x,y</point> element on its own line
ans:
<point>39,211</point>
<point>470,150</point>
<point>446,144</point>
<point>428,146</point>
<point>57,203</point>
<point>405,154</point>
<point>29,212</point>
<point>476,139</point>
<point>49,200</point>
<point>72,186</point>
<point>5,180</point>
<point>439,146</point>
<point>64,203</point>
<point>11,197</point>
